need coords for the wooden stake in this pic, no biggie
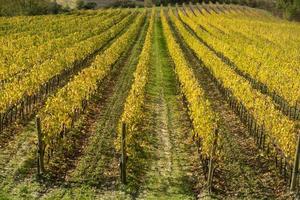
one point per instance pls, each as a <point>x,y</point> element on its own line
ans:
<point>296,166</point>
<point>41,168</point>
<point>211,162</point>
<point>1,123</point>
<point>123,154</point>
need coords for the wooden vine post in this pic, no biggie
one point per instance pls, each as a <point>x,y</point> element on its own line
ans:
<point>296,166</point>
<point>211,162</point>
<point>1,123</point>
<point>123,154</point>
<point>40,148</point>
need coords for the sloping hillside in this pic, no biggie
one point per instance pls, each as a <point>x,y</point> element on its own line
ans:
<point>72,3</point>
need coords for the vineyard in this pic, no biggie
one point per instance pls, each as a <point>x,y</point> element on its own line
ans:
<point>191,101</point>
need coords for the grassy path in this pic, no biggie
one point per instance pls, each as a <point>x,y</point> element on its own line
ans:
<point>171,173</point>
<point>16,161</point>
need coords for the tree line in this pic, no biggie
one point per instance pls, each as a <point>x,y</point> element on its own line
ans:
<point>289,9</point>
<point>39,7</point>
<point>29,7</point>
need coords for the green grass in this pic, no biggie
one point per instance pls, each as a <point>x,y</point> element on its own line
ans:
<point>170,174</point>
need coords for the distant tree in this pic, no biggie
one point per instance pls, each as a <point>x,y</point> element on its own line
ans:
<point>290,8</point>
<point>57,8</point>
<point>80,4</point>
<point>90,5</point>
